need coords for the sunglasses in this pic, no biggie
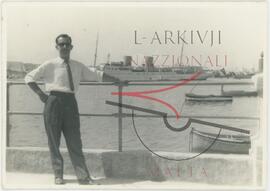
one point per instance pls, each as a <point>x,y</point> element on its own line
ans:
<point>64,44</point>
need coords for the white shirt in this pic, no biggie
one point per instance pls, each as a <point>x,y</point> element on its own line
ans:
<point>55,76</point>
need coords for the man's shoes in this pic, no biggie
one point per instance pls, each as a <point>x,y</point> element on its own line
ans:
<point>59,181</point>
<point>87,182</point>
<point>84,181</point>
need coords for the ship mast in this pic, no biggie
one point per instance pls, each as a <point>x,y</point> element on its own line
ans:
<point>182,50</point>
<point>108,58</point>
<point>95,59</point>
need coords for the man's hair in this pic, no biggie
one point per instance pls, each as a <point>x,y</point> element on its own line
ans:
<point>63,36</point>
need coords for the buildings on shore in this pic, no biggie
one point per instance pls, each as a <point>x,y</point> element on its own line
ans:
<point>17,70</point>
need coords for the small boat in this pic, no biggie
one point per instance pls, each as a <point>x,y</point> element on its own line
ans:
<point>214,98</point>
<point>238,93</point>
<point>228,144</point>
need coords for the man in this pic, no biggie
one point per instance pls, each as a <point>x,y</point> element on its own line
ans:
<point>61,77</point>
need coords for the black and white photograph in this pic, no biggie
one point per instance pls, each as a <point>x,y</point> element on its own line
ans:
<point>134,95</point>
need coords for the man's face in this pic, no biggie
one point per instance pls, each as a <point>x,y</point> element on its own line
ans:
<point>64,47</point>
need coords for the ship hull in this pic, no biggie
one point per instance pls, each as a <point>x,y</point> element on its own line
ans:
<point>153,76</point>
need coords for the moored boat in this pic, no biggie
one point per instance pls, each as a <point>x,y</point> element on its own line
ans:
<point>214,98</point>
<point>225,143</point>
<point>238,93</point>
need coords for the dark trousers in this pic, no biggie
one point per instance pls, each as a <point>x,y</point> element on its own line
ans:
<point>61,115</point>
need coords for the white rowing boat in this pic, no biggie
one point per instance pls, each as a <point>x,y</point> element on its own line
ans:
<point>237,144</point>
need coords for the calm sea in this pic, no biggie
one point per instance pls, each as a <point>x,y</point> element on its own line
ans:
<point>102,132</point>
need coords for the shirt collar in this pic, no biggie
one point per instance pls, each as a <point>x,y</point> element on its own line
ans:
<point>61,60</point>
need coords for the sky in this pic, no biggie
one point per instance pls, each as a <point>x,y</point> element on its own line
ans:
<point>31,29</point>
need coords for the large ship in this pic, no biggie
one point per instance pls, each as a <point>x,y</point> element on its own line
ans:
<point>148,72</point>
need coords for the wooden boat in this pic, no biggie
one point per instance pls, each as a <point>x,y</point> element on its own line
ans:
<point>238,93</point>
<point>214,98</point>
<point>236,144</point>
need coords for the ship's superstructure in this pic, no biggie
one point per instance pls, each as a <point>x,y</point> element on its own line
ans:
<point>148,72</point>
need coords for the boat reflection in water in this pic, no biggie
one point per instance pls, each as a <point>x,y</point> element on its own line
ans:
<point>148,72</point>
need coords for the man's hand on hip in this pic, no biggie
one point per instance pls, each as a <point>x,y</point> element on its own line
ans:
<point>42,96</point>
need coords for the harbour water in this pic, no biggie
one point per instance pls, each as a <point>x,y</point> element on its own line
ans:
<point>102,132</point>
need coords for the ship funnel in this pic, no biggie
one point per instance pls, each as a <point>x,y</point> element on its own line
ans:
<point>127,60</point>
<point>149,63</point>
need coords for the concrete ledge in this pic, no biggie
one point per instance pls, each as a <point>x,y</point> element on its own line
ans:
<point>207,168</point>
<point>37,160</point>
<point>101,163</point>
<point>224,169</point>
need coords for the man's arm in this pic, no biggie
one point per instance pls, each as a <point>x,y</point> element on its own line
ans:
<point>42,96</point>
<point>92,74</point>
<point>32,77</point>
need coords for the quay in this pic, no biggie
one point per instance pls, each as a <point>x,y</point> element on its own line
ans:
<point>45,181</point>
<point>138,168</point>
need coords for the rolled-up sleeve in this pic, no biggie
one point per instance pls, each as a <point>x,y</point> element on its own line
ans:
<point>36,74</point>
<point>91,74</point>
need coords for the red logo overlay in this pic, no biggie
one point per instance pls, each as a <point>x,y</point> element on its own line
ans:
<point>143,94</point>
